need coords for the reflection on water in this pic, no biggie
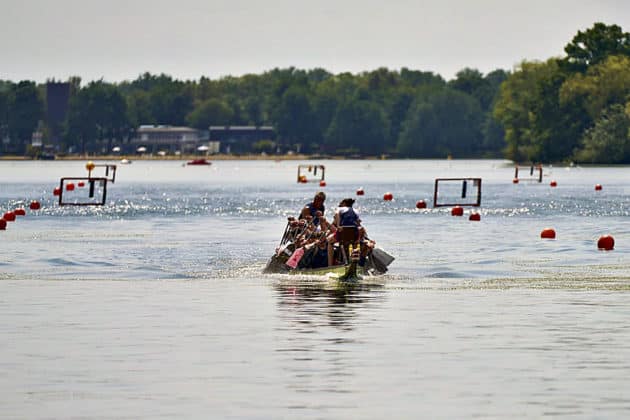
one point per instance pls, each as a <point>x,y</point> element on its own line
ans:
<point>321,332</point>
<point>308,305</point>
<point>171,317</point>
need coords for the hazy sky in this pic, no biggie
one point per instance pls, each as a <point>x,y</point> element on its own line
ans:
<point>119,39</point>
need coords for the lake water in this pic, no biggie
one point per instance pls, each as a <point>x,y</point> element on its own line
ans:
<point>153,306</point>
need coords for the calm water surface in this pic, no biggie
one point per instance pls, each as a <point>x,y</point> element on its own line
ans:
<point>153,306</point>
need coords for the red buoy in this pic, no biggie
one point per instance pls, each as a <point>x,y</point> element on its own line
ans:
<point>598,187</point>
<point>515,181</point>
<point>420,204</point>
<point>606,242</point>
<point>80,184</point>
<point>388,196</point>
<point>3,224</point>
<point>457,211</point>
<point>548,233</point>
<point>474,216</point>
<point>34,205</point>
<point>57,191</point>
<point>322,183</point>
<point>19,212</point>
<point>9,216</point>
<point>553,183</point>
<point>360,191</point>
<point>69,186</point>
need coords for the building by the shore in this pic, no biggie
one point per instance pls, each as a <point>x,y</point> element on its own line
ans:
<point>218,139</point>
<point>166,138</point>
<point>240,139</point>
<point>57,100</point>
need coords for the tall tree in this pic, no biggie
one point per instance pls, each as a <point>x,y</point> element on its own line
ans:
<point>357,127</point>
<point>593,45</point>
<point>210,112</point>
<point>603,84</point>
<point>97,116</point>
<point>25,111</point>
<point>4,112</point>
<point>608,141</point>
<point>444,123</point>
<point>294,119</point>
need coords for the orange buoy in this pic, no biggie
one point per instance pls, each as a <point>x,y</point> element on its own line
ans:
<point>90,166</point>
<point>457,211</point>
<point>474,216</point>
<point>9,216</point>
<point>322,183</point>
<point>19,212</point>
<point>606,242</point>
<point>34,205</point>
<point>69,186</point>
<point>80,184</point>
<point>57,191</point>
<point>553,183</point>
<point>515,181</point>
<point>360,191</point>
<point>303,179</point>
<point>388,196</point>
<point>420,204</point>
<point>548,233</point>
<point>3,224</point>
<point>598,187</point>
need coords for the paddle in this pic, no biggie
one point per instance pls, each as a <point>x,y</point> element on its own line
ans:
<point>381,259</point>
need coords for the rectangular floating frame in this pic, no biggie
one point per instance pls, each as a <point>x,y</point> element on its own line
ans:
<point>535,172</point>
<point>304,171</point>
<point>461,188</point>
<point>96,191</point>
<point>108,169</point>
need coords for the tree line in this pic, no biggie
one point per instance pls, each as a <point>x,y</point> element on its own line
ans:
<point>574,108</point>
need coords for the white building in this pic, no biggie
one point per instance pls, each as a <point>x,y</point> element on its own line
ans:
<point>166,138</point>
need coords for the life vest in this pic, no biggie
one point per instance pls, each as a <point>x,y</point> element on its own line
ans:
<point>313,210</point>
<point>348,217</point>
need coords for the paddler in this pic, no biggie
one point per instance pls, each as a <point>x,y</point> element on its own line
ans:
<point>314,210</point>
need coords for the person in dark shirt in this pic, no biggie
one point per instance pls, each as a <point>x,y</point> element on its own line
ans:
<point>346,215</point>
<point>320,256</point>
<point>314,210</point>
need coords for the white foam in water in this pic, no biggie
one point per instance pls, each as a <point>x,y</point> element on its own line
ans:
<point>154,305</point>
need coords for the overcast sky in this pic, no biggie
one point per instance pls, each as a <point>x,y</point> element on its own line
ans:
<point>119,39</point>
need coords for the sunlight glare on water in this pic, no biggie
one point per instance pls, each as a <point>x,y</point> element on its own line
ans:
<point>154,305</point>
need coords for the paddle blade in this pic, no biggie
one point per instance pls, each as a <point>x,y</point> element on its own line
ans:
<point>381,259</point>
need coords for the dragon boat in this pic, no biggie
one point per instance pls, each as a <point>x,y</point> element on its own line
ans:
<point>290,258</point>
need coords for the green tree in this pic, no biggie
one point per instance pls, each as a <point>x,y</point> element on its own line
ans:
<point>4,112</point>
<point>444,123</point>
<point>294,119</point>
<point>603,84</point>
<point>593,45</point>
<point>357,127</point>
<point>26,109</point>
<point>210,112</point>
<point>97,116</point>
<point>537,127</point>
<point>139,108</point>
<point>608,141</point>
<point>264,146</point>
<point>170,101</point>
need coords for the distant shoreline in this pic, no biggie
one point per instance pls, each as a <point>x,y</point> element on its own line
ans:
<point>181,157</point>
